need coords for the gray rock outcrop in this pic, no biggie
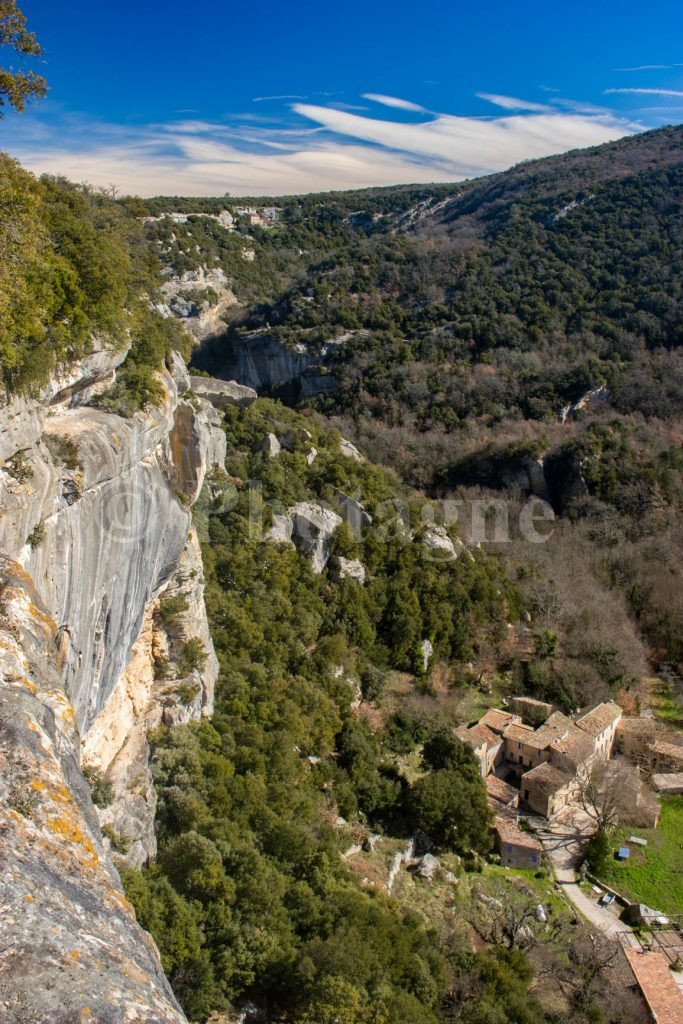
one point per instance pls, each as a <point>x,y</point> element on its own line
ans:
<point>441,546</point>
<point>310,527</point>
<point>353,513</point>
<point>261,361</point>
<point>199,298</point>
<point>94,508</point>
<point>349,569</point>
<point>350,450</point>
<point>313,528</point>
<point>71,947</point>
<point>222,393</point>
<point>271,446</point>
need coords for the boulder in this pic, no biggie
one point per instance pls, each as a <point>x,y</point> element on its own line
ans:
<point>349,569</point>
<point>311,455</point>
<point>313,528</point>
<point>353,513</point>
<point>444,549</point>
<point>350,450</point>
<point>428,867</point>
<point>281,530</point>
<point>271,446</point>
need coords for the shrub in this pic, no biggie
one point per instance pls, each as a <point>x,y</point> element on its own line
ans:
<point>192,656</point>
<point>171,608</point>
<point>101,789</point>
<point>37,535</point>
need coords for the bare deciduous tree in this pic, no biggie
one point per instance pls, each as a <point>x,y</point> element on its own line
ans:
<point>508,916</point>
<point>604,792</point>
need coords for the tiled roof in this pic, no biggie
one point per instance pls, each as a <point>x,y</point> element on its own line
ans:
<point>669,783</point>
<point>500,791</point>
<point>509,832</point>
<point>661,992</point>
<point>600,718</point>
<point>546,778</point>
<point>556,726</point>
<point>520,733</point>
<point>489,738</point>
<point>636,725</point>
<point>671,750</point>
<point>497,720</point>
<point>469,734</point>
<point>576,746</point>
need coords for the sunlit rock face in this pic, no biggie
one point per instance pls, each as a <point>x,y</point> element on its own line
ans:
<point>95,534</point>
<point>96,508</point>
<point>71,949</point>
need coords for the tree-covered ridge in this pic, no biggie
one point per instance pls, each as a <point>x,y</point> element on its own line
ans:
<point>249,897</point>
<point>75,266</point>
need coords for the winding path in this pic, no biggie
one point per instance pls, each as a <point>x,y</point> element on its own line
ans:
<point>563,841</point>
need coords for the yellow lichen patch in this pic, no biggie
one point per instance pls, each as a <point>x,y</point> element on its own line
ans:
<point>27,683</point>
<point>38,785</point>
<point>71,832</point>
<point>43,617</point>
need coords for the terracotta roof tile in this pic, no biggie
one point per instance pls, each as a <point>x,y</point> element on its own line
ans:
<point>546,778</point>
<point>657,985</point>
<point>497,720</point>
<point>509,832</point>
<point>599,718</point>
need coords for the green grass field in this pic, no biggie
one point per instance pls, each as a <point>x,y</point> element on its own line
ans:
<point>653,874</point>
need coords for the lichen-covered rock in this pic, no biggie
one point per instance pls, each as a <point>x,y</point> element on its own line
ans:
<point>71,949</point>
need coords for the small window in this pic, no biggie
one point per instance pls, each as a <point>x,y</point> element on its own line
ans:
<point>509,848</point>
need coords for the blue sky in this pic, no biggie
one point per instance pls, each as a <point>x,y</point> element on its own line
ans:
<point>268,98</point>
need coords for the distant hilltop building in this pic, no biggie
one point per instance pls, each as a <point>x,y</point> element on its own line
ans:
<point>263,216</point>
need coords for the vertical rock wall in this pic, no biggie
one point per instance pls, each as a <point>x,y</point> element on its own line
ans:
<point>95,534</point>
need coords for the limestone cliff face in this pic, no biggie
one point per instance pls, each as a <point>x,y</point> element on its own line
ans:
<point>96,536</point>
<point>96,509</point>
<point>260,361</point>
<point>70,948</point>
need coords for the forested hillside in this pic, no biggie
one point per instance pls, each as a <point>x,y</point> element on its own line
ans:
<point>535,314</point>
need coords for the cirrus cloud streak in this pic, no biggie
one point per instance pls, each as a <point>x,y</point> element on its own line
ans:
<point>311,147</point>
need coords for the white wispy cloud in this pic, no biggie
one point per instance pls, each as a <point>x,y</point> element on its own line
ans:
<point>645,92</point>
<point>285,96</point>
<point>394,101</point>
<point>511,102</point>
<point>650,67</point>
<point>310,147</point>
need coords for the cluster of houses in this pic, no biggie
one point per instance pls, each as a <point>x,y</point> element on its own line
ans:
<point>548,753</point>
<point>262,216</point>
